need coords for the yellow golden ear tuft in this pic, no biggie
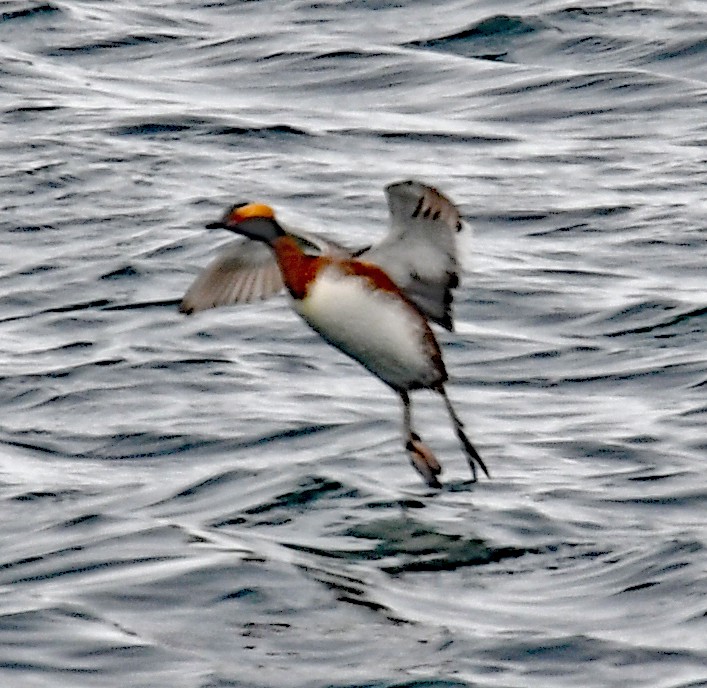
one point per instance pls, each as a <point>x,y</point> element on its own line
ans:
<point>249,211</point>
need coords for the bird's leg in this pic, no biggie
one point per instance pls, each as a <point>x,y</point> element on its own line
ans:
<point>472,456</point>
<point>421,456</point>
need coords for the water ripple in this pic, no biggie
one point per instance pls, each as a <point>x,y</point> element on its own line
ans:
<point>225,500</point>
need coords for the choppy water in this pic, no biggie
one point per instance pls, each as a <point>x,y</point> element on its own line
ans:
<point>223,500</point>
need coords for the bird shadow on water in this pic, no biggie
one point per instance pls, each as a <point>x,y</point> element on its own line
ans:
<point>404,544</point>
<point>394,544</point>
<point>391,533</point>
<point>341,528</point>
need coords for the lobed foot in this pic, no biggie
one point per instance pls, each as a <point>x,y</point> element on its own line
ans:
<point>423,460</point>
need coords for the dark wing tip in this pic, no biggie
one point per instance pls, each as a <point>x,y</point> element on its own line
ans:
<point>186,308</point>
<point>446,322</point>
<point>361,251</point>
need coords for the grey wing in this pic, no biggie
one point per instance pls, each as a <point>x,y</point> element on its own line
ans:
<point>420,253</point>
<point>246,271</point>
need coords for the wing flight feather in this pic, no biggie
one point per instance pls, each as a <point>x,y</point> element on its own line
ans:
<point>419,252</point>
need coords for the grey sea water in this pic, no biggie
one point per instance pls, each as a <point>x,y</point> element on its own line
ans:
<point>223,500</point>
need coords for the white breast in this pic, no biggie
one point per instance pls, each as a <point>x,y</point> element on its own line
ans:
<point>378,329</point>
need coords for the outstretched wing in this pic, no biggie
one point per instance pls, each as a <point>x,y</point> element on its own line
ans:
<point>244,272</point>
<point>419,253</point>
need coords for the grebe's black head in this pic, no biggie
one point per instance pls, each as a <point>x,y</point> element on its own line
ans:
<point>252,220</point>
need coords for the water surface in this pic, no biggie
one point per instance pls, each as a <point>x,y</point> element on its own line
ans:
<point>223,500</point>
